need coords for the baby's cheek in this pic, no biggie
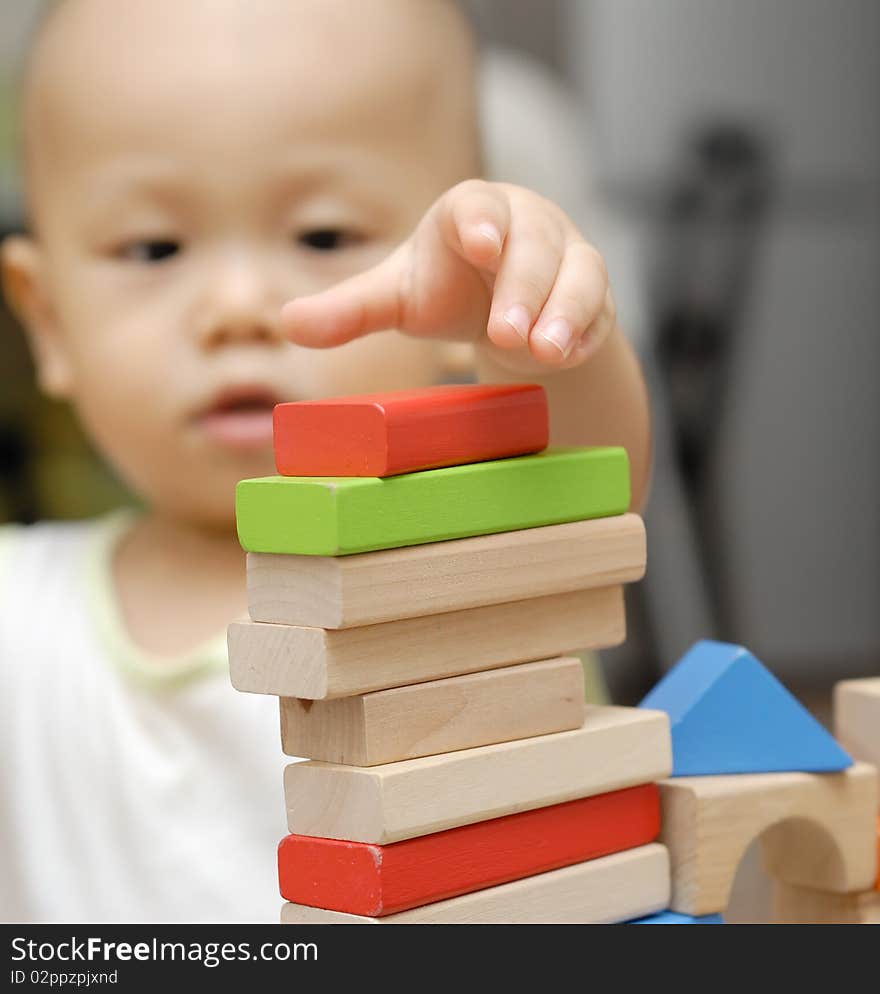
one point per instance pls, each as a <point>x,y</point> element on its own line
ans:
<point>122,427</point>
<point>123,404</point>
<point>120,384</point>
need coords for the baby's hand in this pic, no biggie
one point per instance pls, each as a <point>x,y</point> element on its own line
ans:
<point>489,263</point>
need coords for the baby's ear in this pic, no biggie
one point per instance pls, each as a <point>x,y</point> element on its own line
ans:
<point>24,287</point>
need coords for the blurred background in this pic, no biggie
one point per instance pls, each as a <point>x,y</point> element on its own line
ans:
<point>726,158</point>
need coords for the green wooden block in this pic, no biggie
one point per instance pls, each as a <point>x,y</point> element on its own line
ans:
<point>337,516</point>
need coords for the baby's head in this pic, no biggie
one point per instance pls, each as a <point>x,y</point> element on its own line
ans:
<point>190,165</point>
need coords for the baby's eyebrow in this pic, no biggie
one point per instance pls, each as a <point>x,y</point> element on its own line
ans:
<point>120,211</point>
<point>349,169</point>
<point>331,192</point>
<point>154,186</point>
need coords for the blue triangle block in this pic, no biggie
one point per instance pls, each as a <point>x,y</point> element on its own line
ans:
<point>729,714</point>
<point>674,918</point>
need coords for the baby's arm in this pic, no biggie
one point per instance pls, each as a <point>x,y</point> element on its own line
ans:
<point>601,402</point>
<point>507,270</point>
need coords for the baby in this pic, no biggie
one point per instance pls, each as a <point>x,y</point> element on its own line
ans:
<point>230,203</point>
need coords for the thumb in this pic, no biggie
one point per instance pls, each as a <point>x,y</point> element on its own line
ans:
<point>370,301</point>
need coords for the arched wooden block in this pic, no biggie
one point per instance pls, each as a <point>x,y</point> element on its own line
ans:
<point>817,830</point>
<point>802,906</point>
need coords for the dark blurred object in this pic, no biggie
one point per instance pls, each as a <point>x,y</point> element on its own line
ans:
<point>706,246</point>
<point>788,563</point>
<point>704,257</point>
<point>17,502</point>
<point>48,469</point>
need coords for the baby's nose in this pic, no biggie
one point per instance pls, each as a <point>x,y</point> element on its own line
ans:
<point>240,308</point>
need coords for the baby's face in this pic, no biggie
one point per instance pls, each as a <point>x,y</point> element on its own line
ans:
<point>194,166</point>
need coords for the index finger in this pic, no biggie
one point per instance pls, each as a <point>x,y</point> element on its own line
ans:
<point>368,302</point>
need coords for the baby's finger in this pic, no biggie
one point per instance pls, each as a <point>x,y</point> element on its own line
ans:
<point>528,272</point>
<point>594,337</point>
<point>370,301</point>
<point>474,218</point>
<point>573,306</point>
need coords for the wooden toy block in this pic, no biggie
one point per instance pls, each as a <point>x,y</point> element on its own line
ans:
<point>386,434</point>
<point>729,714</point>
<point>674,918</point>
<point>291,661</point>
<point>372,587</point>
<point>515,702</point>
<point>802,906</point>
<point>816,830</point>
<point>857,718</point>
<point>336,516</point>
<point>605,890</point>
<point>374,880</point>
<point>615,748</point>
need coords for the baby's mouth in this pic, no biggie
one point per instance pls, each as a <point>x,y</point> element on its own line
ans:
<point>240,417</point>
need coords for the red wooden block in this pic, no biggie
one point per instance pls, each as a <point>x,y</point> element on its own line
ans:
<point>375,880</point>
<point>391,433</point>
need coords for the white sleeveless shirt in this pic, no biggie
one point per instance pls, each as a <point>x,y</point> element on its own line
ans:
<point>131,789</point>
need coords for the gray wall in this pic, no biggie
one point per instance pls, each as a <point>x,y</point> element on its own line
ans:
<point>796,480</point>
<point>16,19</point>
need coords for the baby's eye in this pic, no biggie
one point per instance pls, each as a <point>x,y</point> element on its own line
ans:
<point>327,239</point>
<point>150,250</point>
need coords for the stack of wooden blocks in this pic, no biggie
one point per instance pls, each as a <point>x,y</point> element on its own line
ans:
<point>417,575</point>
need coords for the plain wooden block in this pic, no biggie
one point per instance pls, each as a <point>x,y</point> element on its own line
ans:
<point>316,663</point>
<point>610,889</point>
<point>337,516</point>
<point>364,879</point>
<point>615,748</point>
<point>515,702</point>
<point>817,830</point>
<point>409,430</point>
<point>857,718</point>
<point>372,587</point>
<point>802,906</point>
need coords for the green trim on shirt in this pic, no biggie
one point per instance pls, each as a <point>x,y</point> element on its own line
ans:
<point>209,658</point>
<point>136,663</point>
